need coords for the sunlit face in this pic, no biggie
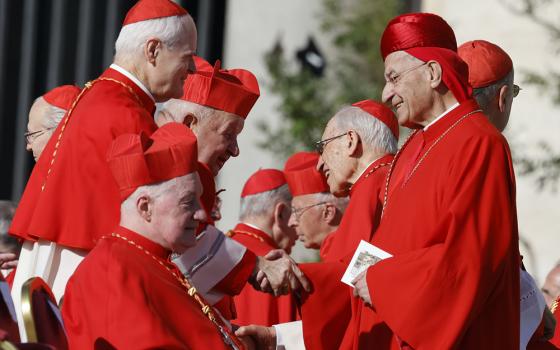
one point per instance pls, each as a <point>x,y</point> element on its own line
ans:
<point>333,162</point>
<point>306,219</point>
<point>282,233</point>
<point>173,65</point>
<point>551,286</point>
<point>176,214</point>
<point>218,139</point>
<point>41,136</point>
<point>407,89</point>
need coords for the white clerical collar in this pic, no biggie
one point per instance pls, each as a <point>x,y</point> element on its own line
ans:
<point>253,226</point>
<point>133,78</point>
<point>366,168</point>
<point>441,115</point>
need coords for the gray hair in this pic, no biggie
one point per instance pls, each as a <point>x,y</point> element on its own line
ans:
<point>180,108</point>
<point>261,204</point>
<point>485,95</point>
<point>153,191</point>
<point>339,202</point>
<point>372,131</point>
<point>132,37</point>
<point>52,115</point>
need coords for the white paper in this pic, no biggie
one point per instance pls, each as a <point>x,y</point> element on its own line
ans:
<point>366,255</point>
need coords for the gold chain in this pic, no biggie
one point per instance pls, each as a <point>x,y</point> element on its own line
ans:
<point>232,233</point>
<point>191,290</point>
<point>87,86</point>
<point>554,305</point>
<point>388,178</point>
<point>375,168</point>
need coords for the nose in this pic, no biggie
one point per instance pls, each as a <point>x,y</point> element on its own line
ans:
<point>199,213</point>
<point>234,148</point>
<point>388,93</point>
<point>292,221</point>
<point>320,164</point>
<point>28,147</point>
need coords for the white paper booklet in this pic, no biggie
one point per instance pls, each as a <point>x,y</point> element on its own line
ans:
<point>366,255</point>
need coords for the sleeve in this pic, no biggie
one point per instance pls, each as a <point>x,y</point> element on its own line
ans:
<point>324,327</point>
<point>217,264</point>
<point>473,274</point>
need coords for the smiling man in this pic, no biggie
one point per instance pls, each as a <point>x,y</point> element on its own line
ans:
<point>126,293</point>
<point>59,213</point>
<point>449,216</point>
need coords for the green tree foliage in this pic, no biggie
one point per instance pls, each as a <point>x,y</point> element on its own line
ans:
<point>544,168</point>
<point>354,72</point>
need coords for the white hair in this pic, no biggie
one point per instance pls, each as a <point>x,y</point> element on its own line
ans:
<point>180,108</point>
<point>339,202</point>
<point>373,132</point>
<point>485,95</point>
<point>261,204</point>
<point>153,191</point>
<point>132,37</point>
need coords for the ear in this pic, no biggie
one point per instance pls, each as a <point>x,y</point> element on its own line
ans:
<point>152,49</point>
<point>190,120</point>
<point>144,207</point>
<point>353,142</point>
<point>436,74</point>
<point>502,97</point>
<point>329,213</point>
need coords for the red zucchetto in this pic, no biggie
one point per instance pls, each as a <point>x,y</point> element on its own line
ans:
<point>263,180</point>
<point>428,37</point>
<point>381,113</point>
<point>136,160</point>
<point>62,96</point>
<point>487,62</point>
<point>234,90</point>
<point>152,9</point>
<point>302,176</point>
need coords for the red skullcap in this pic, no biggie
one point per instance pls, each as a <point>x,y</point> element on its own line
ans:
<point>428,37</point>
<point>136,160</point>
<point>381,113</point>
<point>234,91</point>
<point>302,175</point>
<point>62,96</point>
<point>152,9</point>
<point>263,180</point>
<point>487,62</point>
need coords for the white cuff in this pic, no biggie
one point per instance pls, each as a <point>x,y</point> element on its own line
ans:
<point>532,305</point>
<point>210,260</point>
<point>289,336</point>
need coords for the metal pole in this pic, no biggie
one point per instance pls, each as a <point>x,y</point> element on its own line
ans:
<point>111,29</point>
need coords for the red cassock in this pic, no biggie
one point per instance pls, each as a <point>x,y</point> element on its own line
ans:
<point>450,222</point>
<point>254,307</point>
<point>123,297</point>
<point>80,200</point>
<point>324,327</point>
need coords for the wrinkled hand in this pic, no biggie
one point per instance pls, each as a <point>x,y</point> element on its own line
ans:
<point>361,288</point>
<point>264,337</point>
<point>8,261</point>
<point>278,273</point>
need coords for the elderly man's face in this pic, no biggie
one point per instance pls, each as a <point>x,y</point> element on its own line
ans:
<point>407,90</point>
<point>218,139</point>
<point>306,219</point>
<point>551,286</point>
<point>39,136</point>
<point>173,66</point>
<point>333,162</point>
<point>282,233</point>
<point>176,213</point>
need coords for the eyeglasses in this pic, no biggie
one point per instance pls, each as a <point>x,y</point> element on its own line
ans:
<point>394,78</point>
<point>320,145</point>
<point>516,89</point>
<point>298,212</point>
<point>31,136</point>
